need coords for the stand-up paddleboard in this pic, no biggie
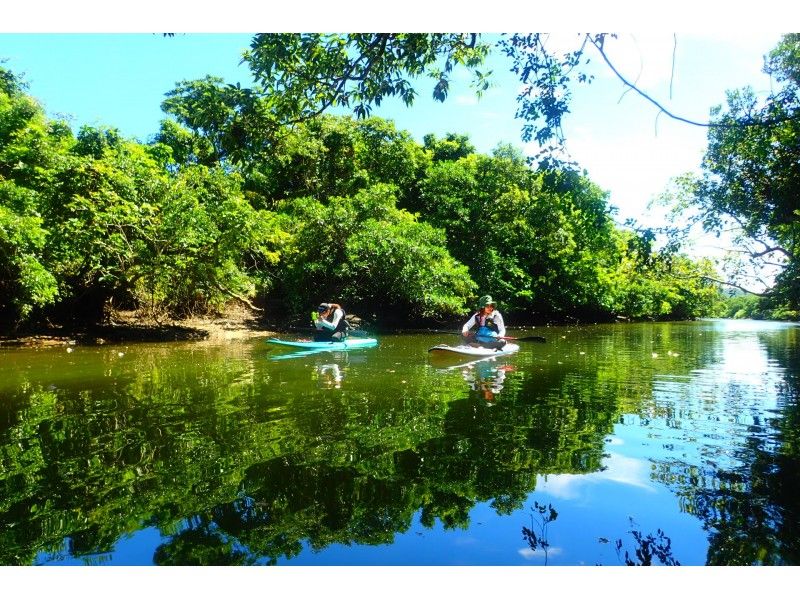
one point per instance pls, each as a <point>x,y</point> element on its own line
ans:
<point>470,351</point>
<point>348,343</point>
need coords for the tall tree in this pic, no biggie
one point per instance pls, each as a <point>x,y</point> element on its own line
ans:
<point>751,184</point>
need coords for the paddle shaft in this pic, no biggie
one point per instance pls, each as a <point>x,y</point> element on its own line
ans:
<point>538,339</point>
<point>357,332</point>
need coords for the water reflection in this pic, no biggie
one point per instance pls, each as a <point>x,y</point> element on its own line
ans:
<point>486,378</point>
<point>329,375</point>
<point>192,454</point>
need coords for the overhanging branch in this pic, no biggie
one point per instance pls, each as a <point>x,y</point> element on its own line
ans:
<point>739,123</point>
<point>723,282</point>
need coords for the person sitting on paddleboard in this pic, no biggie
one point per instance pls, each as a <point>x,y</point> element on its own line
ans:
<point>330,323</point>
<point>490,325</point>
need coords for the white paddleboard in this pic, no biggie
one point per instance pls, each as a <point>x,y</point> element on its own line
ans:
<point>471,351</point>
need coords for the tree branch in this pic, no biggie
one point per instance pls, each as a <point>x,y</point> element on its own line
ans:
<point>723,282</point>
<point>339,83</point>
<point>740,123</point>
<point>230,293</point>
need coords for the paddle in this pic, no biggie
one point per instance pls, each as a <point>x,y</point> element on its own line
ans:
<point>356,332</point>
<point>535,339</point>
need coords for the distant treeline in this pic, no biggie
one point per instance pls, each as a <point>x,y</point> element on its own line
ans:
<point>331,209</point>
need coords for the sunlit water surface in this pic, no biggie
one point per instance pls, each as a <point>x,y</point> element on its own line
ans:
<point>678,440</point>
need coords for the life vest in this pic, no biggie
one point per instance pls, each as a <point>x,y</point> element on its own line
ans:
<point>486,325</point>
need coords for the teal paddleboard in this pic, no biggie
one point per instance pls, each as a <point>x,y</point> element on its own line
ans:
<point>349,343</point>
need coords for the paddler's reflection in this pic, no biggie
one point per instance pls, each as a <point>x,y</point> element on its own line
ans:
<point>329,375</point>
<point>486,378</point>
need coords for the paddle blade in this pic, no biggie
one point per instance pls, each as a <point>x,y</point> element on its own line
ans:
<point>532,339</point>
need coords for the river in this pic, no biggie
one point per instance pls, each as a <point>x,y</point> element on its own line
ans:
<point>657,443</point>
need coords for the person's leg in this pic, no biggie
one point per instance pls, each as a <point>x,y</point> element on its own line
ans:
<point>321,336</point>
<point>495,344</point>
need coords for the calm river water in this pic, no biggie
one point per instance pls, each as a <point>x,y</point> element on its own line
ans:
<point>679,440</point>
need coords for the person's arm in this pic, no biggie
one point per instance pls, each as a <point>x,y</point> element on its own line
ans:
<point>470,323</point>
<point>337,316</point>
<point>501,326</point>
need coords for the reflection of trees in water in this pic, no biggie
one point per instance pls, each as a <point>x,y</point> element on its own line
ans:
<point>235,467</point>
<point>536,534</point>
<point>747,495</point>
<point>201,546</point>
<point>753,509</point>
<point>647,549</point>
<point>232,470</point>
<point>750,504</point>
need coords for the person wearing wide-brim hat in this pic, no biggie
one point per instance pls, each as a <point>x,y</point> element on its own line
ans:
<point>490,325</point>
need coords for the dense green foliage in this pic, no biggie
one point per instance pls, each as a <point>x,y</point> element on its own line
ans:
<point>301,75</point>
<point>750,163</point>
<point>750,185</point>
<point>330,208</point>
<point>741,306</point>
<point>370,254</point>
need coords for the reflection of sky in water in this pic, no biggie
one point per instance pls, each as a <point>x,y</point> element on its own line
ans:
<point>691,427</point>
<point>528,554</point>
<point>597,509</point>
<point>743,361</point>
<point>619,469</point>
<point>704,418</point>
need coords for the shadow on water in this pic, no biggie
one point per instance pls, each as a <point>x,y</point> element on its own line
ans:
<point>237,459</point>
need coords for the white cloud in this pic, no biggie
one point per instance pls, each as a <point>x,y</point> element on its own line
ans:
<point>619,469</point>
<point>627,145</point>
<point>466,100</point>
<point>530,555</point>
<point>635,168</point>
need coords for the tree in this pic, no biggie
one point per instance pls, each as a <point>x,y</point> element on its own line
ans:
<point>301,75</point>
<point>336,156</point>
<point>30,145</point>
<point>452,147</point>
<point>750,182</point>
<point>305,74</point>
<point>236,121</point>
<point>25,283</point>
<point>371,256</point>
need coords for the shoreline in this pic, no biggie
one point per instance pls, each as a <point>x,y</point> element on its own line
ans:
<point>234,323</point>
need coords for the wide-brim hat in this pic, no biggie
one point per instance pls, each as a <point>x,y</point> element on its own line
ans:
<point>486,300</point>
